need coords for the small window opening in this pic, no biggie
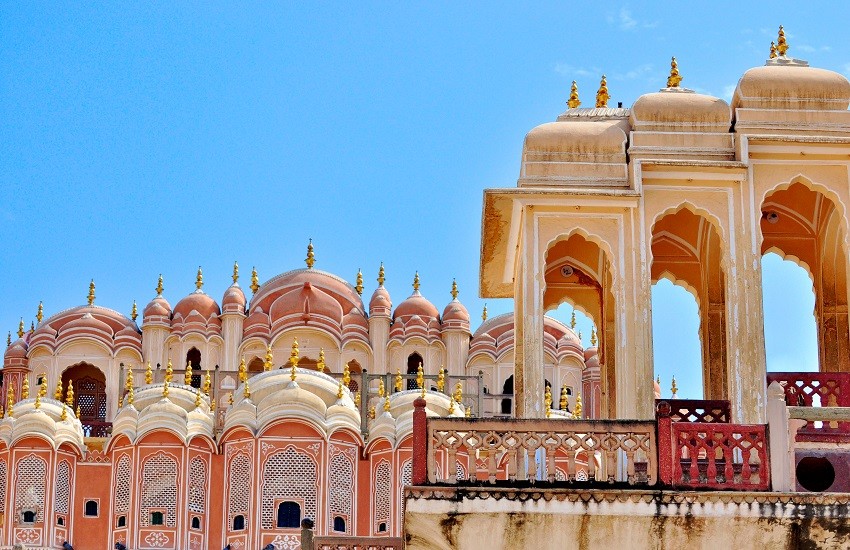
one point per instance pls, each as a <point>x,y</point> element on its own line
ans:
<point>28,516</point>
<point>60,521</point>
<point>122,521</point>
<point>196,522</point>
<point>238,522</point>
<point>339,524</point>
<point>157,518</point>
<point>91,508</point>
<point>289,514</point>
<point>382,527</point>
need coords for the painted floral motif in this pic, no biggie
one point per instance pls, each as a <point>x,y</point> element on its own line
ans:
<point>157,539</point>
<point>31,536</point>
<point>287,542</point>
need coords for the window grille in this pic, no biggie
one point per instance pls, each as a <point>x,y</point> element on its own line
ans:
<point>159,489</point>
<point>122,485</point>
<point>341,489</point>
<point>30,481</point>
<point>288,475</point>
<point>63,487</point>
<point>383,486</point>
<point>240,488</point>
<point>197,485</point>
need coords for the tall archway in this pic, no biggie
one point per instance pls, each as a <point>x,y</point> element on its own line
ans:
<point>803,225</point>
<point>193,358</point>
<point>89,396</point>
<point>355,369</point>
<point>413,362</point>
<point>687,249</point>
<point>578,271</point>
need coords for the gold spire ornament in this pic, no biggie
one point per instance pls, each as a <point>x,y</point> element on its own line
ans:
<point>207,383</point>
<point>320,364</point>
<point>268,362</point>
<point>134,312</point>
<point>25,389</point>
<point>159,287</point>
<point>149,374</point>
<point>38,400</point>
<point>40,313</point>
<point>547,400</point>
<point>451,405</point>
<point>371,413</point>
<point>387,404</point>
<point>484,313</point>
<point>198,400</point>
<point>602,94</point>
<point>187,376</point>
<point>165,389</point>
<point>230,398</point>
<point>573,102</point>
<point>255,281</point>
<point>454,291</point>
<point>441,380</point>
<point>169,372</point>
<point>577,413</point>
<point>91,293</point>
<point>346,375</point>
<point>772,49</point>
<point>311,257</point>
<point>420,377</point>
<point>69,394</point>
<point>781,44</point>
<point>359,286</point>
<point>8,338</point>
<point>564,403</point>
<point>64,416</point>
<point>77,413</point>
<point>212,405</point>
<point>381,278</point>
<point>57,393</point>
<point>573,320</point>
<point>467,412</point>
<point>339,392</point>
<point>593,340</point>
<point>674,389</point>
<point>243,371</point>
<point>129,387</point>
<point>32,326</point>
<point>235,272</point>
<point>294,358</point>
<point>42,389</point>
<point>398,380</point>
<point>674,79</point>
<point>199,279</point>
<point>416,282</point>
<point>10,401</point>
<point>357,399</point>
<point>458,394</point>
<point>21,328</point>
<point>381,389</point>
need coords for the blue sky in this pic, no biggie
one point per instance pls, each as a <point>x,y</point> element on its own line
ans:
<point>147,139</point>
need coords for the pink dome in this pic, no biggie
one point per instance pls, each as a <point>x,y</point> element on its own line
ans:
<point>234,299</point>
<point>590,352</point>
<point>17,350</point>
<point>158,307</point>
<point>307,300</point>
<point>416,304</point>
<point>570,339</point>
<point>197,301</point>
<point>355,317</point>
<point>455,311</point>
<point>87,323</point>
<point>339,290</point>
<point>380,302</point>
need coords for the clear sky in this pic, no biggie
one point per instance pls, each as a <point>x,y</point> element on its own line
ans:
<point>153,138</point>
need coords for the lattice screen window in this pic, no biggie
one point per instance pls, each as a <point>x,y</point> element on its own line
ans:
<point>63,487</point>
<point>239,485</point>
<point>3,473</point>
<point>288,475</point>
<point>122,485</point>
<point>197,485</point>
<point>341,488</point>
<point>30,485</point>
<point>581,475</point>
<point>383,487</point>
<point>159,489</point>
<point>459,472</point>
<point>406,478</point>
<point>560,475</point>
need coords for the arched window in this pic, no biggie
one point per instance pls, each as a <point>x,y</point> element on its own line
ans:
<point>256,365</point>
<point>91,508</point>
<point>355,369</point>
<point>196,522</point>
<point>89,396</point>
<point>508,389</point>
<point>413,362</point>
<point>238,522</point>
<point>156,518</point>
<point>122,521</point>
<point>339,524</point>
<point>28,516</point>
<point>289,514</point>
<point>193,357</point>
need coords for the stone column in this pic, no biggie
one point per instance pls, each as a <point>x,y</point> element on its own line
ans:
<point>528,326</point>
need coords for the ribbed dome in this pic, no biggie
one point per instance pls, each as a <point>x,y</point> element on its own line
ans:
<point>778,86</point>
<point>380,302</point>
<point>306,300</point>
<point>416,304</point>
<point>234,299</point>
<point>341,291</point>
<point>86,322</point>
<point>590,352</point>
<point>17,350</point>
<point>455,311</point>
<point>158,307</point>
<point>666,110</point>
<point>580,138</point>
<point>197,301</point>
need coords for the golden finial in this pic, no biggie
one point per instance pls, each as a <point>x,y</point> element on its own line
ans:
<point>441,380</point>
<point>32,326</point>
<point>131,393</point>
<point>57,393</point>
<point>346,375</point>
<point>387,404</point>
<point>458,394</point>
<point>64,416</point>
<point>120,402</point>
<point>235,272</point>
<point>243,371</point>
<point>169,371</point>
<point>230,398</point>
<point>255,281</point>
<point>454,291</point>
<point>580,338</point>
<point>10,401</point>
<point>372,413</point>
<point>77,413</point>
<point>199,279</point>
<point>398,382</point>
<point>602,94</point>
<point>781,44</point>
<point>357,399</point>
<point>577,413</point>
<point>159,287</point>
<point>187,376</point>
<point>207,383</point>
<point>198,399</point>
<point>564,404</point>
<point>339,392</point>
<point>134,312</point>
<point>593,340</point>
<point>149,374</point>
<point>381,278</point>
<point>420,376</point>
<point>25,390</point>
<point>40,314</point>
<point>267,363</point>
<point>320,364</point>
<point>38,400</point>
<point>91,292</point>
<point>547,400</point>
<point>573,320</point>
<point>359,286</point>
<point>772,49</point>
<point>381,390</point>
<point>658,379</point>
<point>165,389</point>
<point>311,258</point>
<point>42,388</point>
<point>21,328</point>
<point>293,372</point>
<point>293,354</point>
<point>8,338</point>
<point>674,389</point>
<point>484,313</point>
<point>573,102</point>
<point>674,79</point>
<point>416,282</point>
<point>467,412</point>
<point>212,405</point>
<point>69,394</point>
<point>451,405</point>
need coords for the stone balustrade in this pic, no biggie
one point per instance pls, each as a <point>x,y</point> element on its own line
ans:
<point>358,543</point>
<point>816,390</point>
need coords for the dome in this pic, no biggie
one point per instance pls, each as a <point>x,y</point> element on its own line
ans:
<point>590,352</point>
<point>158,307</point>
<point>792,86</point>
<point>353,318</point>
<point>455,311</point>
<point>570,339</point>
<point>307,300</point>
<point>380,304</point>
<point>416,304</point>
<point>335,287</point>
<point>585,138</point>
<point>197,301</point>
<point>234,299</point>
<point>18,350</point>
<point>681,110</point>
<point>87,322</point>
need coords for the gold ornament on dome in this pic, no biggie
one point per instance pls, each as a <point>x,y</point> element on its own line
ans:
<point>268,362</point>
<point>8,339</point>
<point>64,416</point>
<point>773,53</point>
<point>564,401</point>
<point>169,372</point>
<point>311,257</point>
<point>346,375</point>
<point>359,286</point>
<point>674,79</point>
<point>420,377</point>
<point>387,404</point>
<point>416,282</point>
<point>781,44</point>
<point>42,388</point>
<point>454,291</point>
<point>243,371</point>
<point>21,328</point>
<point>573,102</point>
<point>255,281</point>
<point>159,287</point>
<point>235,272</point>
<point>357,399</point>
<point>246,392</point>
<point>149,374</point>
<point>577,413</point>
<point>91,293</point>
<point>484,313</point>
<point>458,393</point>
<point>199,279</point>
<point>467,412</point>
<point>339,392</point>
<point>69,394</point>
<point>25,390</point>
<point>40,313</point>
<point>10,401</point>
<point>207,383</point>
<point>320,364</point>
<point>381,389</point>
<point>372,413</point>
<point>381,278</point>
<point>398,382</point>
<point>187,376</point>
<point>57,393</point>
<point>451,405</point>
<point>441,380</point>
<point>602,94</point>
<point>134,312</point>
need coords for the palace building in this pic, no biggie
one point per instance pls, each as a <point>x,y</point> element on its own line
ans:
<point>226,423</point>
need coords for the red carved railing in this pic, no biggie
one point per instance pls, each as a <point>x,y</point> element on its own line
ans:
<point>358,543</point>
<point>813,389</point>
<point>697,410</point>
